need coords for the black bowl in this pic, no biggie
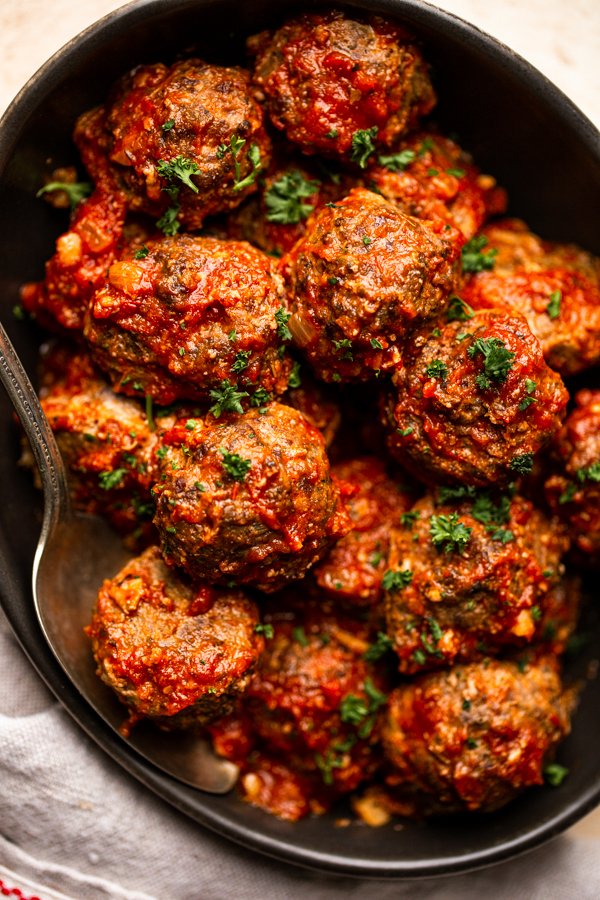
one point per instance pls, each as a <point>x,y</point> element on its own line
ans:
<point>521,129</point>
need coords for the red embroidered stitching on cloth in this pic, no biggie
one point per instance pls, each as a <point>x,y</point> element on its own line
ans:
<point>7,891</point>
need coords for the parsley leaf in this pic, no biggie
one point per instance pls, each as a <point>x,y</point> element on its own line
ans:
<point>235,466</point>
<point>396,579</point>
<point>589,473</point>
<point>111,479</point>
<point>284,199</point>
<point>295,379</point>
<point>437,369</point>
<point>241,361</point>
<point>555,774</point>
<point>235,145</point>
<point>381,646</point>
<point>397,162</point>
<point>168,222</point>
<point>474,258</point>
<point>267,630</point>
<point>227,399</point>
<point>76,191</point>
<point>142,253</point>
<point>363,146</point>
<point>497,360</point>
<point>459,311</point>
<point>182,168</point>
<point>530,387</point>
<point>553,306</point>
<point>282,318</point>
<point>449,533</point>
<point>523,463</point>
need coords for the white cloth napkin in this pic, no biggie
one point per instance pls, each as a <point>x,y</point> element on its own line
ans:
<point>73,825</point>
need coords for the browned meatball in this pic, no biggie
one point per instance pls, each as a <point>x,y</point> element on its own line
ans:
<point>362,275</point>
<point>340,86</point>
<point>174,652</point>
<point>431,177</point>
<point>472,737</point>
<point>573,491</point>
<point>469,577</point>
<point>353,569</point>
<point>105,441</point>
<point>555,286</point>
<point>472,402</point>
<point>315,699</point>
<point>250,498</point>
<point>190,317</point>
<point>185,140</point>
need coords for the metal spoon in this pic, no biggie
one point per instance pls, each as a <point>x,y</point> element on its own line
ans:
<point>75,553</point>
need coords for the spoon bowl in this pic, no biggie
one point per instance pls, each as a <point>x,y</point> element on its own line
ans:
<point>75,553</point>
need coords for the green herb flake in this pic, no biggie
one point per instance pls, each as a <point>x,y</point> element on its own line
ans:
<point>142,253</point>
<point>522,464</point>
<point>76,191</point>
<point>241,361</point>
<point>235,466</point>
<point>267,630</point>
<point>282,318</point>
<point>555,774</point>
<point>458,173</point>
<point>497,361</point>
<point>363,146</point>
<point>395,579</point>
<point>295,379</point>
<point>409,518</point>
<point>475,258</point>
<point>397,162</point>
<point>437,369</point>
<point>226,398</point>
<point>168,222</point>
<point>553,306</point>
<point>181,168</point>
<point>299,635</point>
<point>376,345</point>
<point>459,311</point>
<point>382,645</point>
<point>285,198</point>
<point>112,479</point>
<point>448,533</point>
<point>168,125</point>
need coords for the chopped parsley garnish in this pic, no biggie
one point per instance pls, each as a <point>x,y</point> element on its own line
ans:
<point>235,466</point>
<point>396,579</point>
<point>459,311</point>
<point>449,494</point>
<point>568,493</point>
<point>111,479</point>
<point>553,306</point>
<point>327,763</point>
<point>235,145</point>
<point>426,144</point>
<point>376,345</point>
<point>267,630</point>
<point>168,222</point>
<point>419,657</point>
<point>332,133</point>
<point>226,399</point>
<point>344,344</point>
<point>232,335</point>
<point>168,125</point>
<point>397,162</point>
<point>474,258</point>
<point>295,379</point>
<point>363,146</point>
<point>367,240</point>
<point>180,168</point>
<point>260,397</point>
<point>382,645</point>
<point>555,774</point>
<point>433,172</point>
<point>285,198</point>
<point>530,387</point>
<point>361,711</point>
<point>18,312</point>
<point>497,361</point>
<point>299,635</point>
<point>76,191</point>
<point>404,432</point>
<point>437,369</point>
<point>448,533</point>
<point>409,518</point>
<point>458,173</point>
<point>241,361</point>
<point>282,318</point>
<point>522,464</point>
<point>142,253</point>
<point>589,473</point>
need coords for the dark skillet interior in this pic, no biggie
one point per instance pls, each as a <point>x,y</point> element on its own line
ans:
<point>519,128</point>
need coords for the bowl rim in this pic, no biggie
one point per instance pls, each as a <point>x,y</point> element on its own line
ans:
<point>21,616</point>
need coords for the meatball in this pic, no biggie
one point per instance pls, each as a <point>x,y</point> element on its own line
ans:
<point>314,699</point>
<point>185,140</point>
<point>340,86</point>
<point>472,737</point>
<point>191,317</point>
<point>83,253</point>
<point>469,577</point>
<point>362,275</point>
<point>276,218</point>
<point>431,177</point>
<point>250,498</point>
<point>105,441</point>
<point>573,491</point>
<point>555,286</point>
<point>318,404</point>
<point>174,652</point>
<point>472,402</point>
<point>353,569</point>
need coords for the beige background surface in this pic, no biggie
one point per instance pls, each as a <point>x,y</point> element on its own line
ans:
<point>562,39</point>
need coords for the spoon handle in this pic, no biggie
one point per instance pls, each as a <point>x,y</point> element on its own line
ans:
<point>37,428</point>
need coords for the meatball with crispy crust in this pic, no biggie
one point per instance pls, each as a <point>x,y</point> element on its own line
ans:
<point>469,577</point>
<point>555,286</point>
<point>573,490</point>
<point>353,569</point>
<point>250,498</point>
<point>473,737</point>
<point>429,176</point>
<point>184,141</point>
<point>83,253</point>
<point>192,316</point>
<point>339,86</point>
<point>174,652</point>
<point>314,699</point>
<point>360,278</point>
<point>104,439</point>
<point>472,402</point>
